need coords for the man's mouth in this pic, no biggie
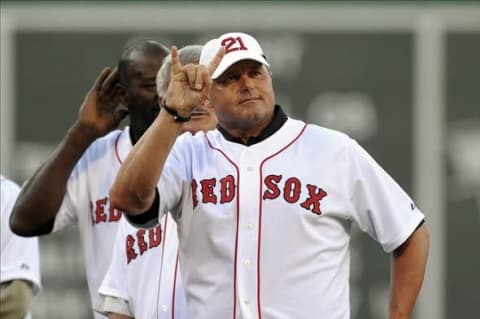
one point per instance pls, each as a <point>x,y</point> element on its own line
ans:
<point>198,112</point>
<point>249,99</point>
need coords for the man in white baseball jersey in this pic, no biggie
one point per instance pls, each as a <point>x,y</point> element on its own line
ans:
<point>265,203</point>
<point>20,270</point>
<point>143,280</point>
<point>72,186</point>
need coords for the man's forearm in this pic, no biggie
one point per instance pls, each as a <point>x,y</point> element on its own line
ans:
<point>134,188</point>
<point>42,195</point>
<point>15,298</point>
<point>408,270</point>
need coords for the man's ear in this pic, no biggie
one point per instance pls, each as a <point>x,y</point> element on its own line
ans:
<point>122,93</point>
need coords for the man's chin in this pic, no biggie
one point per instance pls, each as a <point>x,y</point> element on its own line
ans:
<point>198,117</point>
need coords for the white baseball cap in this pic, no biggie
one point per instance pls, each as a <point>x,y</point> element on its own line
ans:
<point>238,46</point>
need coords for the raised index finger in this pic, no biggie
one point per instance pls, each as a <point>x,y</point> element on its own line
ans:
<point>212,66</point>
<point>176,66</point>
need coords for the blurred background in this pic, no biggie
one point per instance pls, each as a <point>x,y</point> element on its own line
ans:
<point>401,78</point>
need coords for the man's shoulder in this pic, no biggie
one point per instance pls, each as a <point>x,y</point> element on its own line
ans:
<point>325,131</point>
<point>197,139</point>
<point>8,186</point>
<point>104,144</point>
<point>102,150</point>
<point>317,131</point>
<point>318,137</point>
<point>107,139</point>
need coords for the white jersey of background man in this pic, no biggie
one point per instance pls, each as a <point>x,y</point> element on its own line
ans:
<point>144,272</point>
<point>18,255</point>
<point>264,230</point>
<point>86,203</point>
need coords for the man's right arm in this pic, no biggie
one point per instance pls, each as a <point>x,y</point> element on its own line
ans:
<point>42,195</point>
<point>134,188</point>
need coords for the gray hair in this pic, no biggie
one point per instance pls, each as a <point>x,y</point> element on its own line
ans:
<point>187,54</point>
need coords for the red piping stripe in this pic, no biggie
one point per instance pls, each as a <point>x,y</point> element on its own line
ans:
<point>116,148</point>
<point>174,287</point>
<point>164,236</point>
<point>164,239</point>
<point>261,212</point>
<point>236,227</point>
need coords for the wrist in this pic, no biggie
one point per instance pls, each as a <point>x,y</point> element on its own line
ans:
<point>177,117</point>
<point>82,134</point>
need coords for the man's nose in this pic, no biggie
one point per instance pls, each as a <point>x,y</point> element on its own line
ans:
<point>246,82</point>
<point>206,103</point>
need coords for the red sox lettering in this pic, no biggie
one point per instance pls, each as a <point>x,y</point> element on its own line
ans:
<point>289,189</point>
<point>136,244</point>
<point>104,214</point>
<point>227,190</point>
<point>292,190</point>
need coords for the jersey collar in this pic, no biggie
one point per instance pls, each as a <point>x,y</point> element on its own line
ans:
<point>279,118</point>
<point>123,145</point>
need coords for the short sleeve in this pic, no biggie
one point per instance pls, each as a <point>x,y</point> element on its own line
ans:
<point>18,255</point>
<point>109,304</point>
<point>379,205</point>
<point>114,283</point>
<point>175,177</point>
<point>75,197</point>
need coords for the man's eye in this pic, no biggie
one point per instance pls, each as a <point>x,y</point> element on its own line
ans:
<point>229,79</point>
<point>255,73</point>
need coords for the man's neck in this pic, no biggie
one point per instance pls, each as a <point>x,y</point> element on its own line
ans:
<point>135,133</point>
<point>254,136</point>
<point>246,134</point>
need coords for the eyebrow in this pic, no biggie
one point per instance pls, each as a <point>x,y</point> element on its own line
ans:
<point>250,66</point>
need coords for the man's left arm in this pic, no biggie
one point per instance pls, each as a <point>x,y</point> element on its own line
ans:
<point>15,298</point>
<point>408,270</point>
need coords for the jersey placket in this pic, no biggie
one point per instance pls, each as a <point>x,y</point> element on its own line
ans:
<point>167,269</point>
<point>248,235</point>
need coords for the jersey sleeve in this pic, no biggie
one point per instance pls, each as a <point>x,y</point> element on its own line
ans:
<point>18,255</point>
<point>114,283</point>
<point>113,292</point>
<point>175,177</point>
<point>379,205</point>
<point>75,198</point>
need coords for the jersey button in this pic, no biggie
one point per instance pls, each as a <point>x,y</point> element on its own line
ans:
<point>247,262</point>
<point>164,308</point>
<point>246,301</point>
<point>250,226</point>
<point>250,169</point>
